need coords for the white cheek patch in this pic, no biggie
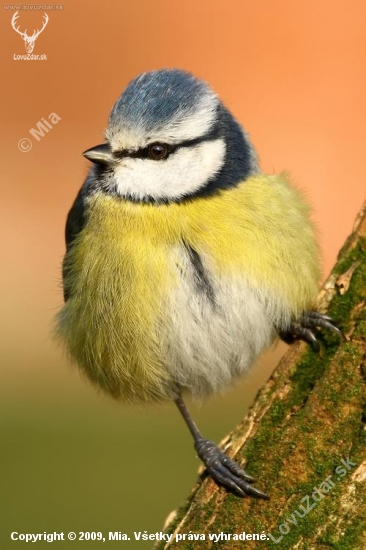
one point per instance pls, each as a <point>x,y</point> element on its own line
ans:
<point>180,128</point>
<point>182,173</point>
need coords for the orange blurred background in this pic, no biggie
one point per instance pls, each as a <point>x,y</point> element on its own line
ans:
<point>293,72</point>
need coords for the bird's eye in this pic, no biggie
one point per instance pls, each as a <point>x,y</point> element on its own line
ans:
<point>158,151</point>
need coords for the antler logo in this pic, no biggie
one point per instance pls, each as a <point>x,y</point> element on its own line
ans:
<point>28,40</point>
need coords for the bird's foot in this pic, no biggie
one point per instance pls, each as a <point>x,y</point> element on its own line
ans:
<point>302,329</point>
<point>225,471</point>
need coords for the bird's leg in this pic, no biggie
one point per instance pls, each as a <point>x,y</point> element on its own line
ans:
<point>302,329</point>
<point>221,468</point>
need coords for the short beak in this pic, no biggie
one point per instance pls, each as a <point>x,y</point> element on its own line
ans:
<point>100,154</point>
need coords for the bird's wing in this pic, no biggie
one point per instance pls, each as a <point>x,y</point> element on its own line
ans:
<point>74,224</point>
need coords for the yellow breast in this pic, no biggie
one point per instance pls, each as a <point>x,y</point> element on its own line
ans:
<point>124,267</point>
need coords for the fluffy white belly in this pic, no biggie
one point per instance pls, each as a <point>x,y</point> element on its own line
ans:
<point>216,327</point>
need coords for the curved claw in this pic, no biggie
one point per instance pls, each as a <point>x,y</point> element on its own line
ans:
<point>312,319</point>
<point>235,484</point>
<point>323,323</point>
<point>317,315</point>
<point>301,329</point>
<point>311,339</point>
<point>308,336</point>
<point>225,471</point>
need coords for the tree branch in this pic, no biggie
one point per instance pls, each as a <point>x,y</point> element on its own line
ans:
<point>308,418</point>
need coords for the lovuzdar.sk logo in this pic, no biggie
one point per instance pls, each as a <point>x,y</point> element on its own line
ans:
<point>29,41</point>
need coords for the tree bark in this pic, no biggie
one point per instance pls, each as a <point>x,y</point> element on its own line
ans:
<point>303,439</point>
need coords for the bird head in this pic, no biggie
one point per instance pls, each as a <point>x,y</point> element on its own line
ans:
<point>169,137</point>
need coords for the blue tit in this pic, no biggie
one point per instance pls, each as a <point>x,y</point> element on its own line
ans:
<point>184,260</point>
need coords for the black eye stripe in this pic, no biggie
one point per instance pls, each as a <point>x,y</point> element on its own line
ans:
<point>143,153</point>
